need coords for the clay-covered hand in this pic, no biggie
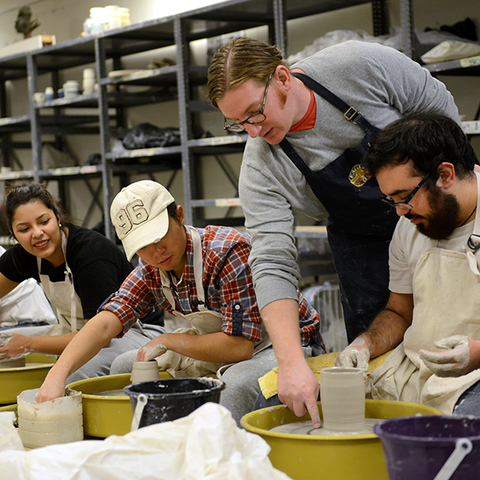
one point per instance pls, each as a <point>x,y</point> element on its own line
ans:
<point>150,351</point>
<point>13,345</point>
<point>298,388</point>
<point>357,354</point>
<point>454,361</point>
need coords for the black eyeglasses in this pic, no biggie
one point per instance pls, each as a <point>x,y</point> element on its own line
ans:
<point>405,205</point>
<point>253,119</point>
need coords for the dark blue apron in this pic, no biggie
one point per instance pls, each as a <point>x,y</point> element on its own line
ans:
<point>360,226</point>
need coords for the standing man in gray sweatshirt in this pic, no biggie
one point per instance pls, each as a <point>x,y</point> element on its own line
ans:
<point>309,127</point>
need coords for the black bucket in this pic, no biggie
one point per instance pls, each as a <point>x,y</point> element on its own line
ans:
<point>172,398</point>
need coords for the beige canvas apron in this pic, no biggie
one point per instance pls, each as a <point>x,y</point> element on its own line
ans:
<point>446,287</point>
<point>203,322</point>
<point>63,297</point>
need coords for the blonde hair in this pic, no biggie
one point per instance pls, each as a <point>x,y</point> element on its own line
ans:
<point>240,60</point>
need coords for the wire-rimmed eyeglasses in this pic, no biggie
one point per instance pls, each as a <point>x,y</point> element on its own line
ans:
<point>253,119</point>
<point>405,205</point>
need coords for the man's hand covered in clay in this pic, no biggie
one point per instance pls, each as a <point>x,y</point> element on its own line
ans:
<point>357,354</point>
<point>151,350</point>
<point>455,360</point>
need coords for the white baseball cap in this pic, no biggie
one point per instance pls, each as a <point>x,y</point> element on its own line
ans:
<point>139,215</point>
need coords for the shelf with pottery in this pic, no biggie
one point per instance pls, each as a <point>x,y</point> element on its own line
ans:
<point>465,66</point>
<point>471,127</point>
<point>16,175</point>
<point>462,67</point>
<point>22,123</point>
<point>108,50</point>
<point>15,124</point>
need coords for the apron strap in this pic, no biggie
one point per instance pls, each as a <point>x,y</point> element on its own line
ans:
<point>198,267</point>
<point>197,271</point>
<point>68,278</point>
<point>473,242</point>
<point>350,113</point>
<point>293,155</point>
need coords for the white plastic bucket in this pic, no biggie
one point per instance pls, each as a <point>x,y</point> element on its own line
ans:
<point>52,422</point>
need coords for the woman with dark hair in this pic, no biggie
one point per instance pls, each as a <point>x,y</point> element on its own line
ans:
<point>78,269</point>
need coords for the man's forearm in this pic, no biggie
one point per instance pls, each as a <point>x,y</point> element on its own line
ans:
<point>211,347</point>
<point>282,323</point>
<point>96,334</point>
<point>385,332</point>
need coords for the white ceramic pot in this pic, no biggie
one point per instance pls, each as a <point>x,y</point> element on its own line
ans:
<point>342,393</point>
<point>71,89</point>
<point>145,371</point>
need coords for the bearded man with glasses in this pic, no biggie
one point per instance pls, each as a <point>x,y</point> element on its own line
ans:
<point>431,323</point>
<point>309,127</point>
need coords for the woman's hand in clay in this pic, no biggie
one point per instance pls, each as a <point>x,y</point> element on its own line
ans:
<point>455,360</point>
<point>151,350</point>
<point>357,354</point>
<point>13,345</point>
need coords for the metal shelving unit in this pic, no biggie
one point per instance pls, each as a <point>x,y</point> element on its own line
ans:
<point>109,50</point>
<point>463,67</point>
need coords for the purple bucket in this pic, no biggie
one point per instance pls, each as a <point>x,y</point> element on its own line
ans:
<point>418,447</point>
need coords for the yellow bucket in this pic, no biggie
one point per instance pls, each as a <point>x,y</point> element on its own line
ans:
<point>105,415</point>
<point>330,457</point>
<point>14,381</point>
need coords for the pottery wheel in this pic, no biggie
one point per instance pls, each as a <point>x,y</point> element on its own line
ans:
<point>111,393</point>
<point>306,428</point>
<point>12,362</point>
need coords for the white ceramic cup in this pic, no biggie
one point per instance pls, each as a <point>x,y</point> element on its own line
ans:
<point>71,89</point>
<point>39,97</point>
<point>145,371</point>
<point>342,396</point>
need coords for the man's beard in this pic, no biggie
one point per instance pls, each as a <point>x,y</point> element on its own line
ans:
<point>443,217</point>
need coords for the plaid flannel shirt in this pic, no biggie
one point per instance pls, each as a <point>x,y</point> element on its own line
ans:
<point>227,282</point>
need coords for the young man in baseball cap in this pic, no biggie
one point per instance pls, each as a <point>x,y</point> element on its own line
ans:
<point>199,275</point>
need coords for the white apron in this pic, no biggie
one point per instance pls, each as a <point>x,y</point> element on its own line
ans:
<point>446,287</point>
<point>203,322</point>
<point>63,297</point>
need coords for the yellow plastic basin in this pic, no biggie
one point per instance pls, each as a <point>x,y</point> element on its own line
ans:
<point>14,381</point>
<point>314,457</point>
<point>9,408</point>
<point>106,415</point>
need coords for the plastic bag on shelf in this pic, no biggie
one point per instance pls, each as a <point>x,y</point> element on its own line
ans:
<point>339,36</point>
<point>451,50</point>
<point>146,135</point>
<point>54,158</point>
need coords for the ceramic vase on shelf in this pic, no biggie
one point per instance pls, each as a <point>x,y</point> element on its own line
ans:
<point>88,81</point>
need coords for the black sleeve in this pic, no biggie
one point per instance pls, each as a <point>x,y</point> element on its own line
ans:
<point>18,265</point>
<point>98,267</point>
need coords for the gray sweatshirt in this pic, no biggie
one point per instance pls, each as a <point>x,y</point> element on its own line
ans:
<point>381,83</point>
